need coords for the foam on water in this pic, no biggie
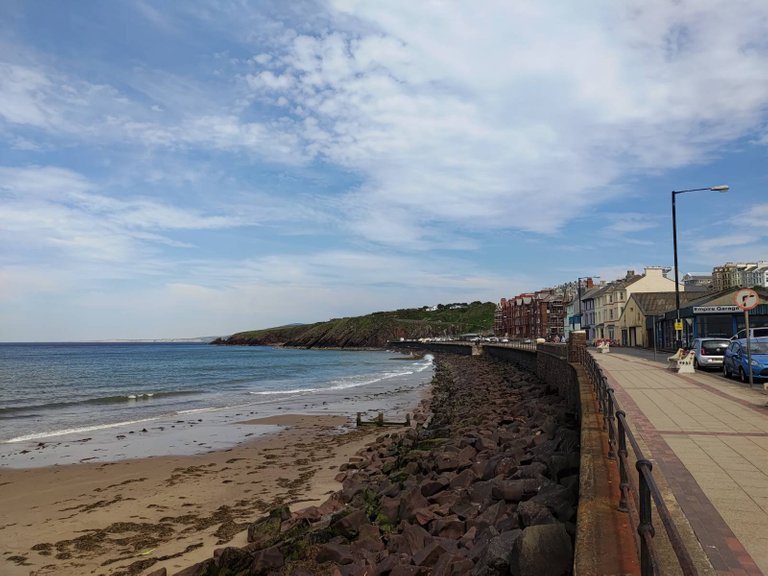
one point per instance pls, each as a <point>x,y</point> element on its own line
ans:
<point>121,395</point>
<point>81,430</point>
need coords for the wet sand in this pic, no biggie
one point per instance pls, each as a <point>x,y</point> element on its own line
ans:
<point>135,516</point>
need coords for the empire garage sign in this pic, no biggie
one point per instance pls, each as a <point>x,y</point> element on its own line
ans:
<point>715,309</point>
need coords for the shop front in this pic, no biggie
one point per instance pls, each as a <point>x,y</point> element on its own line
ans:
<point>712,316</point>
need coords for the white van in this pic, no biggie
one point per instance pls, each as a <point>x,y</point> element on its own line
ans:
<point>753,333</point>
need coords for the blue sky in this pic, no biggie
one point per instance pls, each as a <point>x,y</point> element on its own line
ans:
<point>199,168</point>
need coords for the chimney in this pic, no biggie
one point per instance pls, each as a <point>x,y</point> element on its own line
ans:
<point>657,271</point>
<point>630,273</point>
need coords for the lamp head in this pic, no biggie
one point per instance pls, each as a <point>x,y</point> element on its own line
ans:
<point>721,188</point>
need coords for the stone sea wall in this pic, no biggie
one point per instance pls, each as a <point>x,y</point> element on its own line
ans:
<point>486,484</point>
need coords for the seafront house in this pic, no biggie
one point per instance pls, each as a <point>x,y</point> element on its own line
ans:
<point>641,323</point>
<point>611,299</point>
<point>588,309</point>
<point>572,317</point>
<point>576,313</point>
<point>757,276</point>
<point>745,275</point>
<point>539,314</point>
<point>501,318</point>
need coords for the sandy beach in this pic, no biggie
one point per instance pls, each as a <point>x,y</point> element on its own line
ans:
<point>134,516</point>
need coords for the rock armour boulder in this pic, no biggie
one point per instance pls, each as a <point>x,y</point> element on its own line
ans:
<point>488,488</point>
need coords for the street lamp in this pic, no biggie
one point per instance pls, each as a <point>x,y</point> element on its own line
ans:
<point>678,324</point>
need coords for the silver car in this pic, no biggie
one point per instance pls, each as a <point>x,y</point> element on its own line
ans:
<point>708,353</point>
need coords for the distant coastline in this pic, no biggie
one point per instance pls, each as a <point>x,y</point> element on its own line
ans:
<point>197,340</point>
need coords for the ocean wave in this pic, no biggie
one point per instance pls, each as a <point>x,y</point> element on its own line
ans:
<point>8,412</point>
<point>19,416</point>
<point>80,430</point>
<point>352,381</point>
<point>199,410</point>
<point>293,391</point>
<point>426,364</point>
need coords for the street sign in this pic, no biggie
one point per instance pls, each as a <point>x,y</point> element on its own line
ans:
<point>747,299</point>
<point>678,325</point>
<point>715,309</point>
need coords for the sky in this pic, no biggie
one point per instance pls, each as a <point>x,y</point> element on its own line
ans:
<point>183,169</point>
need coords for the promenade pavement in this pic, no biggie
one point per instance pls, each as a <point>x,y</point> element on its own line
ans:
<point>707,438</point>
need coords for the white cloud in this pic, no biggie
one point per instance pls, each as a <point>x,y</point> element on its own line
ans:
<point>52,208</point>
<point>467,118</point>
<point>630,223</point>
<point>753,219</point>
<point>742,237</point>
<point>391,128</point>
<point>21,100</point>
<point>480,116</point>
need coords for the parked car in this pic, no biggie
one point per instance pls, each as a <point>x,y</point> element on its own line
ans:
<point>709,352</point>
<point>753,333</point>
<point>735,359</point>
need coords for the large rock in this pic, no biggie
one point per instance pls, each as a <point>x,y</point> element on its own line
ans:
<point>495,557</point>
<point>429,555</point>
<point>430,487</point>
<point>532,513</point>
<point>533,470</point>
<point>411,501</point>
<point>350,525</point>
<point>481,492</point>
<point>200,569</point>
<point>463,480</point>
<point>266,562</point>
<point>336,553</point>
<point>233,559</point>
<point>413,539</point>
<point>452,564</point>
<point>515,490</point>
<point>559,499</point>
<point>448,527</point>
<point>265,530</point>
<point>542,550</point>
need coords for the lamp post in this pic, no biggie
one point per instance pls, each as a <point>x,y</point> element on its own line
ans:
<point>678,324</point>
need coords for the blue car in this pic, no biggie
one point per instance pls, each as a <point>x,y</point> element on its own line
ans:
<point>735,359</point>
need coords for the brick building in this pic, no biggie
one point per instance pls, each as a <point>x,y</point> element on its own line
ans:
<point>538,314</point>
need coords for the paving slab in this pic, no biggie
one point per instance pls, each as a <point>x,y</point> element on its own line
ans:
<point>708,437</point>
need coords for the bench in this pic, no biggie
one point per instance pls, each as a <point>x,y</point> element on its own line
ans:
<point>672,360</point>
<point>682,362</point>
<point>604,347</point>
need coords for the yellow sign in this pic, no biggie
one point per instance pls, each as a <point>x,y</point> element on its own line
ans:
<point>678,325</point>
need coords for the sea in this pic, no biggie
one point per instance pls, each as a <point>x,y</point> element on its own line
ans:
<point>65,403</point>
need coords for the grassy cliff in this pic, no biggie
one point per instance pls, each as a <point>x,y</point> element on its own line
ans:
<point>374,330</point>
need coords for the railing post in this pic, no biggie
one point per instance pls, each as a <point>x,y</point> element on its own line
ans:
<point>603,399</point>
<point>611,424</point>
<point>645,527</point>
<point>623,472</point>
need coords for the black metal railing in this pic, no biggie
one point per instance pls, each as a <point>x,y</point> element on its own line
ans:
<point>646,490</point>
